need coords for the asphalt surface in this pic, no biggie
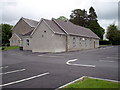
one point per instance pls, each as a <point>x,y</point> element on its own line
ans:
<point>24,69</point>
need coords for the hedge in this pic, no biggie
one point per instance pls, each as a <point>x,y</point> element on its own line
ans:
<point>104,42</point>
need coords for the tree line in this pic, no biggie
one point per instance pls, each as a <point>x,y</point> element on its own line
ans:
<point>78,17</point>
<point>5,34</point>
<point>81,18</point>
<point>113,34</point>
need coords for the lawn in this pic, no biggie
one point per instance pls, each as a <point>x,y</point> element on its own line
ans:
<point>9,48</point>
<point>92,83</point>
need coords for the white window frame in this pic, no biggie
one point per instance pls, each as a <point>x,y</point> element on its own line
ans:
<point>27,42</point>
<point>74,42</point>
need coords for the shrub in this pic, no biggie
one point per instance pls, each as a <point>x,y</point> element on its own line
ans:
<point>3,48</point>
<point>104,42</point>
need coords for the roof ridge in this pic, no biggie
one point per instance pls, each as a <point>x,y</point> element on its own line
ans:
<point>30,22</point>
<point>74,29</point>
<point>28,33</point>
<point>54,20</point>
<point>29,19</point>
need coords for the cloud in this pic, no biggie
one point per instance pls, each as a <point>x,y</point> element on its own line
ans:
<point>13,10</point>
<point>106,22</point>
<point>106,10</point>
<point>119,15</point>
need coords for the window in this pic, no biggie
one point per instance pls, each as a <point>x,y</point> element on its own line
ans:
<point>90,39</point>
<point>18,41</point>
<point>42,35</point>
<point>85,42</point>
<point>44,31</point>
<point>27,42</point>
<point>74,42</point>
<point>80,41</point>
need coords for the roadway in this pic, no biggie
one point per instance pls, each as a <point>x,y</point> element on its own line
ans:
<point>24,69</point>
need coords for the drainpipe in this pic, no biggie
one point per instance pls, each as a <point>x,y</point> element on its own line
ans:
<point>66,43</point>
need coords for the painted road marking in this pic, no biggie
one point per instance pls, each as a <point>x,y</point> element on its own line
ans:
<point>22,80</point>
<point>106,61</point>
<point>13,71</point>
<point>112,57</point>
<point>106,47</point>
<point>64,54</point>
<point>69,63</point>
<point>95,49</point>
<point>49,56</point>
<point>4,67</point>
<point>104,79</point>
<point>70,83</point>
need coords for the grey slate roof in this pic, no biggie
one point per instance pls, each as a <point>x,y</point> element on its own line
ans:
<point>32,23</point>
<point>73,29</point>
<point>28,33</point>
<point>20,36</point>
<point>54,26</point>
<point>62,27</point>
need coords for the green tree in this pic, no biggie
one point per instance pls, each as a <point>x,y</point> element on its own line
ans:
<point>92,14</point>
<point>62,18</point>
<point>5,33</point>
<point>113,34</point>
<point>93,23</point>
<point>96,28</point>
<point>80,17</point>
<point>0,35</point>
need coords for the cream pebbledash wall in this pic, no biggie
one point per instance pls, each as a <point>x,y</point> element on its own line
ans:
<point>27,43</point>
<point>80,43</point>
<point>15,40</point>
<point>59,43</point>
<point>44,40</point>
<point>21,27</point>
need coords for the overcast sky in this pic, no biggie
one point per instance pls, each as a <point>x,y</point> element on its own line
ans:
<point>12,10</point>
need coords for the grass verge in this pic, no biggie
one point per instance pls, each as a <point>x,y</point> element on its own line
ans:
<point>92,83</point>
<point>8,48</point>
<point>105,45</point>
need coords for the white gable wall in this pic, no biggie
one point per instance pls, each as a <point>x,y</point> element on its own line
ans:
<point>21,27</point>
<point>15,40</point>
<point>44,40</point>
<point>26,43</point>
<point>60,43</point>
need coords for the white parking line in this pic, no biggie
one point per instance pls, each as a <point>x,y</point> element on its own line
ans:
<point>106,61</point>
<point>4,67</point>
<point>107,47</point>
<point>13,71</point>
<point>79,79</point>
<point>64,54</point>
<point>104,79</point>
<point>40,55</point>
<point>70,83</point>
<point>49,56</point>
<point>112,57</point>
<point>69,63</point>
<point>22,80</point>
